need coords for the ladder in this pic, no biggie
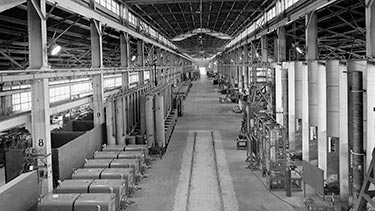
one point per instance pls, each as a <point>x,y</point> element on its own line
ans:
<point>366,195</point>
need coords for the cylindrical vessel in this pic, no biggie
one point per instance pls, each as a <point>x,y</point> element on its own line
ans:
<point>356,99</point>
<point>150,119</point>
<point>139,139</point>
<point>159,121</point>
<point>120,135</point>
<point>109,124</point>
<point>130,140</point>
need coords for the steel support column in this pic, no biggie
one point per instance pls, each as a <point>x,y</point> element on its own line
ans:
<point>97,62</point>
<point>239,67</point>
<point>152,65</point>
<point>281,44</point>
<point>311,36</point>
<point>125,58</point>
<point>40,112</point>
<point>264,48</point>
<point>158,63</point>
<point>140,60</point>
<point>246,68</point>
<point>370,28</point>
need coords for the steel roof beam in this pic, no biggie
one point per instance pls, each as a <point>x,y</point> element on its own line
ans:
<point>148,2</point>
<point>89,13</point>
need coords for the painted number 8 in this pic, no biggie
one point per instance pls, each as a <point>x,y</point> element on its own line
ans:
<point>40,142</point>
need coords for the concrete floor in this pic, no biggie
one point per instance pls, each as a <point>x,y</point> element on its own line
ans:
<point>167,184</point>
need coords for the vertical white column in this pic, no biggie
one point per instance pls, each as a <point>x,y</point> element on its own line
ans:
<point>40,129</point>
<point>313,94</point>
<point>305,111</point>
<point>333,100</point>
<point>370,28</point>
<point>110,123</point>
<point>291,105</point>
<point>370,93</point>
<point>343,121</point>
<point>120,134</point>
<point>150,120</point>
<point>278,94</point>
<point>322,118</point>
<point>159,120</point>
<point>370,79</point>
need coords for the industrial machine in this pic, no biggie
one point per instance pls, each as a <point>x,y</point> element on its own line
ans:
<point>118,187</point>
<point>267,139</point>
<point>268,144</point>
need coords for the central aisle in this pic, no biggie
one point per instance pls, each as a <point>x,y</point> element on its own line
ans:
<point>203,173</point>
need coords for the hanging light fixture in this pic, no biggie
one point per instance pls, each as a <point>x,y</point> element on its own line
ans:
<point>257,55</point>
<point>55,49</point>
<point>134,57</point>
<point>298,48</point>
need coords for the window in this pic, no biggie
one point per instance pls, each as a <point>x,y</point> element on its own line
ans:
<point>133,77</point>
<point>147,75</point>
<point>112,81</point>
<point>59,93</point>
<point>21,101</point>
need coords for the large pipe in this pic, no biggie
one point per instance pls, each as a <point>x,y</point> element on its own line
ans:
<point>109,123</point>
<point>159,120</point>
<point>285,104</point>
<point>356,99</point>
<point>150,125</point>
<point>120,135</point>
<point>143,114</point>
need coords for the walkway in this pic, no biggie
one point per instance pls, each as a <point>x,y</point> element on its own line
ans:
<point>202,169</point>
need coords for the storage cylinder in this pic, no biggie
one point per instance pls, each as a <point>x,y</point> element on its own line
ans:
<point>130,140</point>
<point>118,187</point>
<point>95,201</point>
<point>59,202</point>
<point>97,163</point>
<point>139,139</point>
<point>93,173</point>
<point>106,155</point>
<point>74,186</point>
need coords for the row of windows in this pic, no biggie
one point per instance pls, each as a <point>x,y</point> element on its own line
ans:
<point>113,81</point>
<point>68,89</point>
<point>114,7</point>
<point>281,6</point>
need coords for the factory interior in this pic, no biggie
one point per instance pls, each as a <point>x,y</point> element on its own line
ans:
<point>187,105</point>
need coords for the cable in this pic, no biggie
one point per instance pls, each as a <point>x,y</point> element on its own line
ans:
<point>281,199</point>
